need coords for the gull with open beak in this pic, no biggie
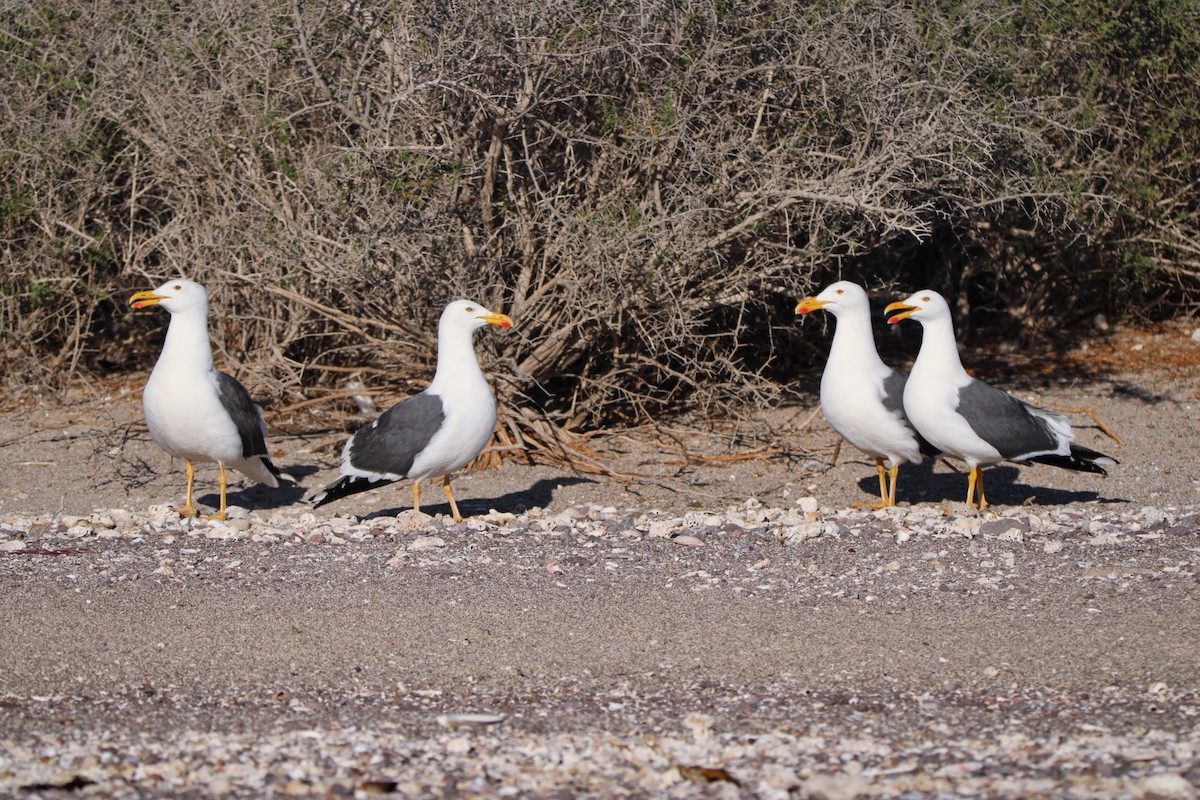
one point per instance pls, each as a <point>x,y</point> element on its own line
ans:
<point>433,433</point>
<point>862,397</point>
<point>970,420</point>
<point>194,411</point>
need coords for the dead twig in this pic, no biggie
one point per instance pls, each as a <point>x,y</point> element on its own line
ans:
<point>1100,423</point>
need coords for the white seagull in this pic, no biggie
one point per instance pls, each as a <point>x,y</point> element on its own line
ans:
<point>194,411</point>
<point>970,420</point>
<point>861,396</point>
<point>432,433</point>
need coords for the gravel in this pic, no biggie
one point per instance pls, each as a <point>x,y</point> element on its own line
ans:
<point>286,654</point>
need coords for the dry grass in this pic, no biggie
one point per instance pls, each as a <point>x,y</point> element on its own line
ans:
<point>645,188</point>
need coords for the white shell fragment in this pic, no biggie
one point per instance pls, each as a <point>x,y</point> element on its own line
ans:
<point>469,720</point>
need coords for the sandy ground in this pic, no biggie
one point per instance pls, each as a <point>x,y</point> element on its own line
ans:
<point>860,655</point>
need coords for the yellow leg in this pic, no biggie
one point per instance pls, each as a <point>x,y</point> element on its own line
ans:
<point>188,509</point>
<point>416,496</point>
<point>222,481</point>
<point>976,479</point>
<point>883,489</point>
<point>450,497</point>
<point>893,472</point>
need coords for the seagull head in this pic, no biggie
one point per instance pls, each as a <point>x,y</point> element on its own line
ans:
<point>471,316</point>
<point>175,296</point>
<point>835,298</point>
<point>923,306</point>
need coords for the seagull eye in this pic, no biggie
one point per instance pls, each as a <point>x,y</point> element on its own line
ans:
<point>924,299</point>
<point>178,288</point>
<point>841,291</point>
<point>470,310</point>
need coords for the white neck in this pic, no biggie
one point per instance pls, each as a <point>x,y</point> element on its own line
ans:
<point>939,350</point>
<point>456,358</point>
<point>187,340</point>
<point>854,342</point>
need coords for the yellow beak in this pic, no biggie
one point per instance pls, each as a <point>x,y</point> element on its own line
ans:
<point>810,304</point>
<point>503,320</point>
<point>905,310</point>
<point>144,299</point>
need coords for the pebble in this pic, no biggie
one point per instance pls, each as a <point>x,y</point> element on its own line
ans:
<point>747,547</point>
<point>426,543</point>
<point>1052,528</point>
<point>1168,785</point>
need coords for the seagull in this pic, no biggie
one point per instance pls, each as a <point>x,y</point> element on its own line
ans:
<point>194,411</point>
<point>435,432</point>
<point>861,396</point>
<point>970,420</point>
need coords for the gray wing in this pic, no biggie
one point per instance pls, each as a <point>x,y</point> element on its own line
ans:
<point>389,445</point>
<point>1004,422</point>
<point>893,400</point>
<point>893,392</point>
<point>245,415</point>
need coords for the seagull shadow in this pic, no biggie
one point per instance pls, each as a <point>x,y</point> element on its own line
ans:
<point>1001,486</point>
<point>260,496</point>
<point>539,495</point>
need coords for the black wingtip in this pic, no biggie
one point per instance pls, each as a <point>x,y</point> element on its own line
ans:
<point>280,475</point>
<point>343,487</point>
<point>1080,459</point>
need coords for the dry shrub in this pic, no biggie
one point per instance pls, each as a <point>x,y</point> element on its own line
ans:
<point>646,188</point>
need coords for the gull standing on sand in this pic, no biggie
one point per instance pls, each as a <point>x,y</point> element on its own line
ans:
<point>435,432</point>
<point>970,420</point>
<point>194,411</point>
<point>861,396</point>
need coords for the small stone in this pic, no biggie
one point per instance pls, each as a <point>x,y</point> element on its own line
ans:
<point>409,521</point>
<point>777,779</point>
<point>11,546</point>
<point>221,532</point>
<point>339,524</point>
<point>967,526</point>
<point>663,528</point>
<point>458,746</point>
<point>494,517</point>
<point>688,540</point>
<point>1011,530</point>
<point>1052,546</point>
<point>835,787</point>
<point>798,534</point>
<point>427,543</point>
<point>1167,786</point>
